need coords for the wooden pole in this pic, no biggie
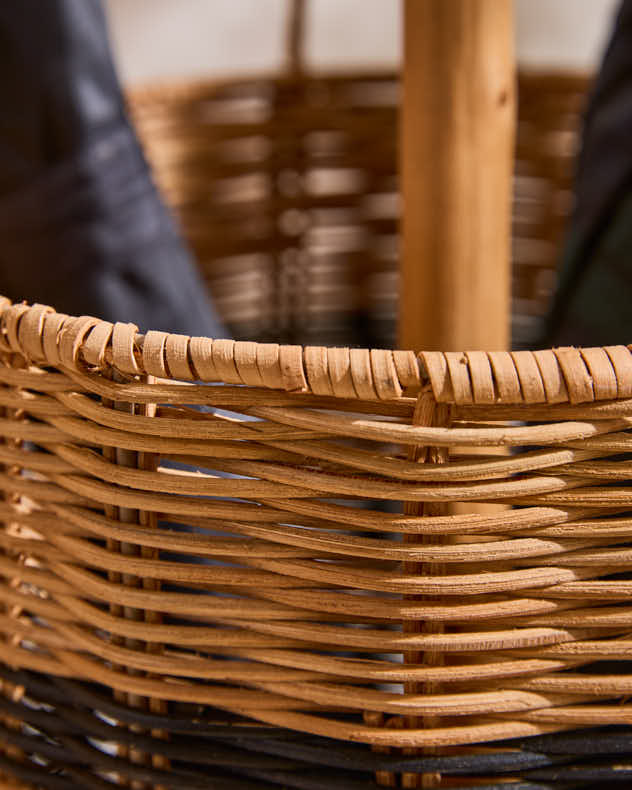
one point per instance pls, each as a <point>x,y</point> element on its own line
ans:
<point>457,162</point>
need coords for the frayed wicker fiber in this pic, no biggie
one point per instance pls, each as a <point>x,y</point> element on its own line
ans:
<point>225,562</point>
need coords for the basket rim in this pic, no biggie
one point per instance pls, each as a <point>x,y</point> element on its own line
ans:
<point>197,87</point>
<point>549,377</point>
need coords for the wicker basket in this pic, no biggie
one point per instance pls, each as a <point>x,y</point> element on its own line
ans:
<point>201,590</point>
<point>286,187</point>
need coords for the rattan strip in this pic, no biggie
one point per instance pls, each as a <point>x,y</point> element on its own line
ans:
<point>562,375</point>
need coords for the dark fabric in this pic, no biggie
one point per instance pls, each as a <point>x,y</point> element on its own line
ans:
<point>592,303</point>
<point>82,226</point>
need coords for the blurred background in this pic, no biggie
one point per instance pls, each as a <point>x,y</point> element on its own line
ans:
<point>320,265</point>
<point>156,39</point>
<point>272,132</point>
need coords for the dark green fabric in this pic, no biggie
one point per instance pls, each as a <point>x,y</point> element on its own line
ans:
<point>592,304</point>
<point>598,307</point>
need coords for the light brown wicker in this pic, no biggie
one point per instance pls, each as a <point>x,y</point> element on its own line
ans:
<point>402,627</point>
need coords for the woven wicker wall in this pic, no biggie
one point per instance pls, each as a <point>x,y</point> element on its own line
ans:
<point>260,584</point>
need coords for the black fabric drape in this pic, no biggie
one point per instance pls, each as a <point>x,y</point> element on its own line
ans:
<point>82,226</point>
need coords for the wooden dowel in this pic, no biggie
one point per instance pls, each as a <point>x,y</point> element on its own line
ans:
<point>457,160</point>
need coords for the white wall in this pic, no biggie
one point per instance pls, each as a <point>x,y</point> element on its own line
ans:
<point>157,39</point>
<point>565,33</point>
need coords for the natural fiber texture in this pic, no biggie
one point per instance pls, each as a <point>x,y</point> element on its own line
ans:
<point>286,188</point>
<point>263,534</point>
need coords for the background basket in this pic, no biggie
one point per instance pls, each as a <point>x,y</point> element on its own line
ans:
<point>287,190</point>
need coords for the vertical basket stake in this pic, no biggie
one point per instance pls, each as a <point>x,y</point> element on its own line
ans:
<point>142,461</point>
<point>9,690</point>
<point>427,412</point>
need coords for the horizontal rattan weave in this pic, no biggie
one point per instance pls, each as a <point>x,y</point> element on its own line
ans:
<point>213,534</point>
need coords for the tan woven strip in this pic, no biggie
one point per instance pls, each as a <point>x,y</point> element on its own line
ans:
<point>576,375</point>
<point>460,377</point>
<point>505,376</point>
<point>622,363</point>
<point>246,364</point>
<point>339,363</point>
<point>361,374</point>
<point>269,365</point>
<point>531,382</point>
<point>292,371</point>
<point>177,357</point>
<point>554,384</point>
<point>201,351</point>
<point>123,347</point>
<point>437,369</point>
<point>154,354</point>
<point>316,366</point>
<point>30,331</point>
<point>481,377</point>
<point>604,379</point>
<point>223,357</point>
<point>96,344</point>
<point>10,324</point>
<point>407,369</point>
<point>4,305</point>
<point>71,338</point>
<point>53,322</point>
<point>385,378</point>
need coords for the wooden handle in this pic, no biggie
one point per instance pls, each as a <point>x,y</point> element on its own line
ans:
<point>457,160</point>
<point>295,37</point>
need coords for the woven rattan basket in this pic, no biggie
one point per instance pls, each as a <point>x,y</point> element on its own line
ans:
<point>287,190</point>
<point>227,565</point>
<point>259,584</point>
